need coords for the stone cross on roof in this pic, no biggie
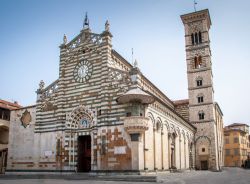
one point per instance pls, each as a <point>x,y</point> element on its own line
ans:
<point>86,21</point>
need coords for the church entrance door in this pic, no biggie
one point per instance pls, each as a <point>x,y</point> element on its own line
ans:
<point>84,154</point>
<point>204,165</point>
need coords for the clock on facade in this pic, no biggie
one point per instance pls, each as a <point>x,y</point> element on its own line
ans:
<point>83,71</point>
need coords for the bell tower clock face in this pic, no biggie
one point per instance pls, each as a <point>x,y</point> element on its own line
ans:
<point>83,71</point>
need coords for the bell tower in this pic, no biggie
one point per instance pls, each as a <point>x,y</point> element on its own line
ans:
<point>200,88</point>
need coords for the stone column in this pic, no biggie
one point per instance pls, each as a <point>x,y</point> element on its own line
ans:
<point>185,153</point>
<point>192,155</point>
<point>169,151</point>
<point>176,151</point>
<point>162,163</point>
<point>154,130</point>
<point>137,152</point>
<point>136,127</point>
<point>165,151</point>
<point>180,149</point>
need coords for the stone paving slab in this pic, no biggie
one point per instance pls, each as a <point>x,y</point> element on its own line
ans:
<point>227,176</point>
<point>128,178</point>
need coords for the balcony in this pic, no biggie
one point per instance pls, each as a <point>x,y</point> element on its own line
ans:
<point>136,124</point>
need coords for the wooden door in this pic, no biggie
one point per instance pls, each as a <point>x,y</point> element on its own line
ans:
<point>84,154</point>
<point>204,165</point>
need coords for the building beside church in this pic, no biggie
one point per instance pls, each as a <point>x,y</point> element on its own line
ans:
<point>103,114</point>
<point>5,109</point>
<point>237,145</point>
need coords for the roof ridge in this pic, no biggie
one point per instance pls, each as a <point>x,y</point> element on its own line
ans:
<point>9,105</point>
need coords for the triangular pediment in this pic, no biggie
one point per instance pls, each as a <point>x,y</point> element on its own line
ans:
<point>86,37</point>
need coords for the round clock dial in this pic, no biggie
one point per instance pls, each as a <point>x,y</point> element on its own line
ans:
<point>83,71</point>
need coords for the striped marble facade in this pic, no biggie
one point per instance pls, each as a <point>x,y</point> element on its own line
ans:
<point>56,124</point>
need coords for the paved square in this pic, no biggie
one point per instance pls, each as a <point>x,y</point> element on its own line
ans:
<point>227,176</point>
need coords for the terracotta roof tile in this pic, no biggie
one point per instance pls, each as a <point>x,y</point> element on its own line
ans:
<point>237,124</point>
<point>9,105</point>
<point>181,102</point>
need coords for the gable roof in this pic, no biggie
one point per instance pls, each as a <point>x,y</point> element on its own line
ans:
<point>181,102</point>
<point>237,124</point>
<point>146,79</point>
<point>9,105</point>
<point>170,104</point>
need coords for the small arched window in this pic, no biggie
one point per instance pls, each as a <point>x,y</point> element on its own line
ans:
<point>196,38</point>
<point>197,62</point>
<point>200,37</point>
<point>200,98</point>
<point>199,82</point>
<point>201,115</point>
<point>192,38</point>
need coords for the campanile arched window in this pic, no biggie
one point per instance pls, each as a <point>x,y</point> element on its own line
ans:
<point>199,81</point>
<point>196,38</point>
<point>201,115</point>
<point>192,38</point>
<point>200,37</point>
<point>197,62</point>
<point>200,98</point>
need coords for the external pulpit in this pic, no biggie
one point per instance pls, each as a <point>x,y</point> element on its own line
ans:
<point>135,123</point>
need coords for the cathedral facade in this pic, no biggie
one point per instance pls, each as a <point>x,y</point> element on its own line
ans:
<point>102,114</point>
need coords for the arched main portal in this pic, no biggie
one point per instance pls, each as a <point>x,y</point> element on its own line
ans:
<point>80,123</point>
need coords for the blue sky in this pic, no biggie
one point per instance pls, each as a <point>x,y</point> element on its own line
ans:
<point>31,32</point>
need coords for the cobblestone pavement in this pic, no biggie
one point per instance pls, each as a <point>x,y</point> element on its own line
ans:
<point>227,176</point>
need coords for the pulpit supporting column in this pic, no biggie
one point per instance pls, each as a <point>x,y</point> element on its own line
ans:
<point>137,152</point>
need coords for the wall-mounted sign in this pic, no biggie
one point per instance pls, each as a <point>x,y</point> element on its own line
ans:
<point>119,150</point>
<point>47,153</point>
